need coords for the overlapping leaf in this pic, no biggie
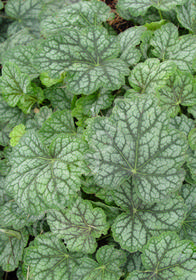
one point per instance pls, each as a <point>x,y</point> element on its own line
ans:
<point>48,258</point>
<point>148,76</point>
<point>179,90</point>
<point>43,178</point>
<point>191,162</point>
<point>166,257</point>
<point>140,7</point>
<point>40,117</point>
<point>90,55</point>
<point>136,142</point>
<point>60,122</point>
<point>167,46</point>
<point>182,123</point>
<point>12,245</point>
<point>129,39</point>
<point>107,266</point>
<point>140,221</point>
<point>192,139</point>
<point>82,14</point>
<point>79,226</point>
<point>187,15</point>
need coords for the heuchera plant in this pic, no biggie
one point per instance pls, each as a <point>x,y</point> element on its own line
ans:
<point>98,139</point>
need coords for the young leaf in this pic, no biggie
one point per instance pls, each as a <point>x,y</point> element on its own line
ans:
<point>17,132</point>
<point>179,90</point>
<point>107,266</point>
<point>150,75</point>
<point>166,257</point>
<point>43,178</point>
<point>79,226</point>
<point>140,7</point>
<point>90,55</point>
<point>129,39</point>
<point>60,122</point>
<point>136,142</point>
<point>82,14</point>
<point>48,258</point>
<point>12,244</point>
<point>140,221</point>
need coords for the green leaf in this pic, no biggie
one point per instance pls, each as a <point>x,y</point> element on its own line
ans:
<point>107,266</point>
<point>168,46</point>
<point>155,24</point>
<point>182,123</point>
<point>59,97</point>
<point>150,75</point>
<point>12,216</point>
<point>17,132</point>
<point>80,15</point>
<point>179,90</point>
<point>48,258</point>
<point>25,14</point>
<point>164,38</point>
<point>14,84</point>
<point>44,178</point>
<point>40,117</point>
<point>140,220</point>
<point>192,139</point>
<point>192,110</point>
<point>89,54</point>
<point>187,15</point>
<point>90,106</point>
<point>140,7</point>
<point>12,244</point>
<point>60,122</point>
<point>191,162</point>
<point>129,39</point>
<point>1,5</point>
<point>188,230</point>
<point>136,142</point>
<point>47,81</point>
<point>23,57</point>
<point>166,257</point>
<point>79,226</point>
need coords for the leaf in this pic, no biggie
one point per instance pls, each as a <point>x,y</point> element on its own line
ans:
<point>47,81</point>
<point>1,5</point>
<point>136,142</point>
<point>166,257</point>
<point>191,162</point>
<point>12,244</point>
<point>164,38</point>
<point>107,266</point>
<point>25,14</point>
<point>140,7</point>
<point>60,122</point>
<point>23,57</point>
<point>80,15</point>
<point>59,97</point>
<point>192,110</point>
<point>90,106</point>
<point>14,84</point>
<point>182,123</point>
<point>89,54</point>
<point>150,75</point>
<point>48,258</point>
<point>188,230</point>
<point>44,178</point>
<point>180,50</point>
<point>17,132</point>
<point>12,216</point>
<point>187,15</point>
<point>40,117</point>
<point>179,90</point>
<point>192,139</point>
<point>139,220</point>
<point>79,226</point>
<point>129,40</point>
